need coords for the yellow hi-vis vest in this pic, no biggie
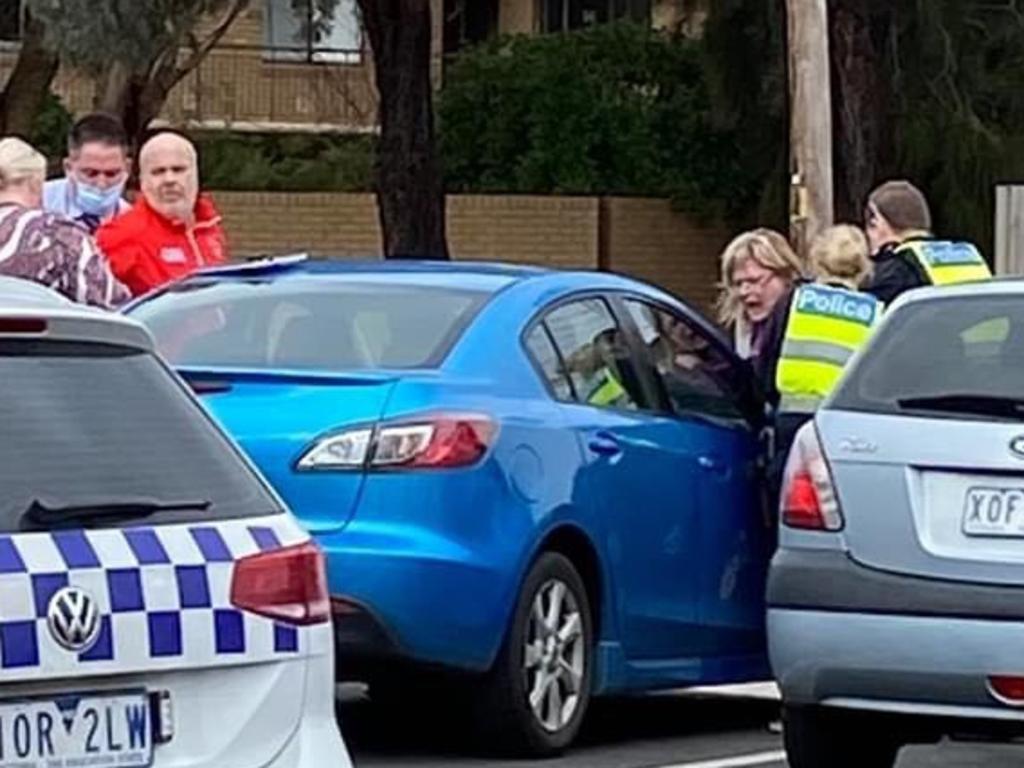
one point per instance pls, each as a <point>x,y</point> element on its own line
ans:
<point>608,391</point>
<point>826,327</point>
<point>945,262</point>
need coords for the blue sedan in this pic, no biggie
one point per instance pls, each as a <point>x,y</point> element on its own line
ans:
<point>550,480</point>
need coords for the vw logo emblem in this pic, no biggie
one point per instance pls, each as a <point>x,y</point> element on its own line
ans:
<point>1017,446</point>
<point>74,619</point>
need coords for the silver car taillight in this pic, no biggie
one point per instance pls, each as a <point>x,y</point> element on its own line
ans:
<point>808,499</point>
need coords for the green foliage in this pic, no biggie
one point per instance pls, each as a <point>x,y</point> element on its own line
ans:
<point>91,34</point>
<point>284,162</point>
<point>50,131</point>
<point>956,69</point>
<point>615,109</point>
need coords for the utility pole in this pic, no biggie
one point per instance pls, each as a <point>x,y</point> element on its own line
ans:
<point>811,190</point>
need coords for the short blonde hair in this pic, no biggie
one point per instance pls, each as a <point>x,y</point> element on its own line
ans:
<point>765,247</point>
<point>840,254</point>
<point>19,161</point>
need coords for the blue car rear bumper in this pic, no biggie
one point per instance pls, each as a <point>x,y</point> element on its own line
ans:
<point>434,604</point>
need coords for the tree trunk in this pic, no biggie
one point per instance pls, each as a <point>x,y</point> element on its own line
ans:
<point>29,82</point>
<point>861,108</point>
<point>410,192</point>
<point>810,120</point>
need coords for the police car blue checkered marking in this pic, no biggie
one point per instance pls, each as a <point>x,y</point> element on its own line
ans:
<point>177,594</point>
<point>75,549</point>
<point>125,588</point>
<point>44,587</point>
<point>164,634</point>
<point>193,586</point>
<point>104,648</point>
<point>286,639</point>
<point>147,547</point>
<point>10,558</point>
<point>265,538</point>
<point>212,545</point>
<point>230,631</point>
<point>19,646</point>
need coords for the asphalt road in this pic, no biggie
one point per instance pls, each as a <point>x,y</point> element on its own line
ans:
<point>674,731</point>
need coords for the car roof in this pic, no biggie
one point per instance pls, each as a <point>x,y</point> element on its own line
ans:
<point>1010,285</point>
<point>486,276</point>
<point>52,316</point>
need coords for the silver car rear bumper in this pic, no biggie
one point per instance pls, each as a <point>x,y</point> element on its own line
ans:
<point>891,663</point>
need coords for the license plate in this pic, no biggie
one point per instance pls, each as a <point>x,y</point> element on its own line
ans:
<point>997,512</point>
<point>76,731</point>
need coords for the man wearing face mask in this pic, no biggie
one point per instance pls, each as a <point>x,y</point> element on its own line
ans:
<point>172,229</point>
<point>96,170</point>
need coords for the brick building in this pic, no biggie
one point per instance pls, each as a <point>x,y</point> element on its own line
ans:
<point>269,74</point>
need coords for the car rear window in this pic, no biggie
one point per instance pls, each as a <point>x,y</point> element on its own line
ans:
<point>88,426</point>
<point>347,326</point>
<point>957,357</point>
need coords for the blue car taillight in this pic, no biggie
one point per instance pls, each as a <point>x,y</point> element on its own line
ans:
<point>437,441</point>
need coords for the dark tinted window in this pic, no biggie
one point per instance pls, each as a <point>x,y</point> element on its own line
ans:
<point>596,354</point>
<point>957,356</point>
<point>546,358</point>
<point>697,377</point>
<point>350,326</point>
<point>94,425</point>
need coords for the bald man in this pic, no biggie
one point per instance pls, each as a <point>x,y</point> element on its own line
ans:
<point>173,229</point>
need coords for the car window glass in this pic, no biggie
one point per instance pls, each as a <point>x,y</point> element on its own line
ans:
<point>596,355</point>
<point>697,377</point>
<point>961,356</point>
<point>546,358</point>
<point>89,424</point>
<point>351,325</point>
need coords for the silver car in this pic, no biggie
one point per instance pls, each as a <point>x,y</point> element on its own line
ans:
<point>896,598</point>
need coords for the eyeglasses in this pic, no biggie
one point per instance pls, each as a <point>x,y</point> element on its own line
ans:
<point>753,282</point>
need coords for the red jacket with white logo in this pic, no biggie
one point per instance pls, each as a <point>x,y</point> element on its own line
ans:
<point>147,251</point>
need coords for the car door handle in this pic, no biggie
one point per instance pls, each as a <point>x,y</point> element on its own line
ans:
<point>604,444</point>
<point>711,464</point>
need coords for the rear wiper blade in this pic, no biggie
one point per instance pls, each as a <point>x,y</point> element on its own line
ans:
<point>985,405</point>
<point>41,517</point>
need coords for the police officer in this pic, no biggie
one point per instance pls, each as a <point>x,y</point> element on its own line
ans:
<point>898,224</point>
<point>823,324</point>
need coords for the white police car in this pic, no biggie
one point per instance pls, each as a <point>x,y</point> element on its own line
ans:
<point>158,604</point>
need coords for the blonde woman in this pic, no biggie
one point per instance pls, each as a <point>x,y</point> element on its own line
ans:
<point>759,269</point>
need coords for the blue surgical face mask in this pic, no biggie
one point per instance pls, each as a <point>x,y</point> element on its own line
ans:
<point>95,201</point>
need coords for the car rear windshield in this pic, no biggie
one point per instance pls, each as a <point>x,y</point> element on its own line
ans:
<point>956,357</point>
<point>346,326</point>
<point>106,435</point>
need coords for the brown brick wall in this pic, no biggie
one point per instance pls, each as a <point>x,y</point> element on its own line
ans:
<point>559,232</point>
<point>649,240</point>
<point>643,237</point>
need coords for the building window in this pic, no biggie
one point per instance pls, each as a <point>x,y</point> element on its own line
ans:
<point>300,30</point>
<point>564,15</point>
<point>11,19</point>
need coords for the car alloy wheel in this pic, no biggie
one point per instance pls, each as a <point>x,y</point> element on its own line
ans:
<point>554,656</point>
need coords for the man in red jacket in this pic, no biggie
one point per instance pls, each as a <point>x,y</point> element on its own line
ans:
<point>172,229</point>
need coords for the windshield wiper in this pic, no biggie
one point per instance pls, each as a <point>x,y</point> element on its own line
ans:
<point>982,405</point>
<point>41,517</point>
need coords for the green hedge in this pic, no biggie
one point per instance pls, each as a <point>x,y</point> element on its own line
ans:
<point>616,109</point>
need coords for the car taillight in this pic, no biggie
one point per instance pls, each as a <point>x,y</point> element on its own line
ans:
<point>809,499</point>
<point>288,585</point>
<point>434,442</point>
<point>1008,689</point>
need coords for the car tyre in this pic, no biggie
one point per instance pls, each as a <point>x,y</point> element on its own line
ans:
<point>816,737</point>
<point>538,691</point>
